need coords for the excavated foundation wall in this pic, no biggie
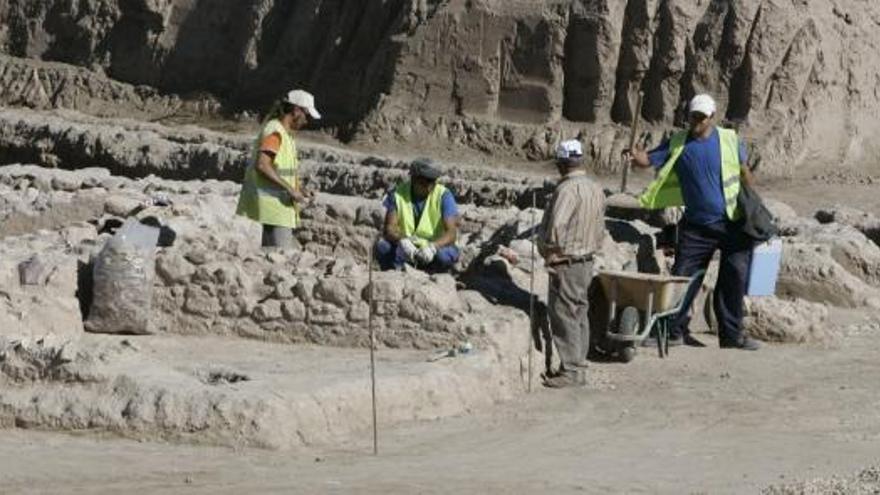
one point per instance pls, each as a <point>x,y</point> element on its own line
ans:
<point>71,140</point>
<point>214,280</point>
<point>303,298</point>
<point>211,278</point>
<point>503,77</point>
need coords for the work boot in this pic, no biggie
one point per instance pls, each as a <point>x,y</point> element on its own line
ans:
<point>744,342</point>
<point>691,341</point>
<point>565,379</point>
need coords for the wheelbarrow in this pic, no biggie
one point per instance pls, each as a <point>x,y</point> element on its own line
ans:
<point>661,298</point>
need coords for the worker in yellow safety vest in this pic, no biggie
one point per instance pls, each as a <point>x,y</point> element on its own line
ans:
<point>421,222</point>
<point>272,194</point>
<point>701,168</point>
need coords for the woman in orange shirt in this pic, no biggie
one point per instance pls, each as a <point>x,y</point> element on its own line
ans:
<point>271,193</point>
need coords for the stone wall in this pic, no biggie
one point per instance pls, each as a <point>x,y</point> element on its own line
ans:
<point>213,278</point>
<point>301,298</point>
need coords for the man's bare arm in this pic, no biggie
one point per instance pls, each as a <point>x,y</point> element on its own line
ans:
<point>746,175</point>
<point>638,157</point>
<point>266,166</point>
<point>450,233</point>
<point>392,227</point>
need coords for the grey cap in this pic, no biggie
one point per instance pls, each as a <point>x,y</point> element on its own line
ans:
<point>424,168</point>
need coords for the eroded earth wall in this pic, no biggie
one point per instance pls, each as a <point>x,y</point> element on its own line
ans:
<point>798,77</point>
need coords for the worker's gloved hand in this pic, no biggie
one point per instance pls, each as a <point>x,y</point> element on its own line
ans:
<point>295,197</point>
<point>426,254</point>
<point>409,249</point>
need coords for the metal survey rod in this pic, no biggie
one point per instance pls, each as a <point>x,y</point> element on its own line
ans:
<point>372,349</point>
<point>532,299</point>
<point>634,128</point>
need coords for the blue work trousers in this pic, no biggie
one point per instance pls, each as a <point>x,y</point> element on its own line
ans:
<point>696,246</point>
<point>391,257</point>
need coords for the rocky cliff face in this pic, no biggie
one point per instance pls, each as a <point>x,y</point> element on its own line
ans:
<point>245,52</point>
<point>799,77</point>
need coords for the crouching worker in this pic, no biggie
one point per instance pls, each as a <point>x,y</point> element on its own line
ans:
<point>421,223</point>
<point>271,193</point>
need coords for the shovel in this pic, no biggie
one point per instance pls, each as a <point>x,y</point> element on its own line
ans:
<point>634,130</point>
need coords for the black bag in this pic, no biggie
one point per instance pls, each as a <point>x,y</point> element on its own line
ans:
<point>758,221</point>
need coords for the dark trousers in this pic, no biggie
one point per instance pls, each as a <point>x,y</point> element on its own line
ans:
<point>277,237</point>
<point>696,246</point>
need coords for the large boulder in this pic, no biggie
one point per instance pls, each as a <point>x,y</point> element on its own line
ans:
<point>38,295</point>
<point>776,320</point>
<point>849,247</point>
<point>810,272</point>
<point>864,222</point>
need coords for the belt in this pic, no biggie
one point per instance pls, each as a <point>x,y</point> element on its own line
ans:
<point>572,260</point>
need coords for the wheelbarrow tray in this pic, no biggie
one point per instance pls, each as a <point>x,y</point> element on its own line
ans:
<point>634,289</point>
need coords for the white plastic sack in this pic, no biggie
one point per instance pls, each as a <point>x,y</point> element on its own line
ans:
<point>123,282</point>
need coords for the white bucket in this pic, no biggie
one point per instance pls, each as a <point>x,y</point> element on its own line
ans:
<point>764,269</point>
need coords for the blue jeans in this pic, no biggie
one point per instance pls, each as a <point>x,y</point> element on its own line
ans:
<point>696,245</point>
<point>391,257</point>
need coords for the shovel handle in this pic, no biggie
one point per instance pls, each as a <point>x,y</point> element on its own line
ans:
<point>633,133</point>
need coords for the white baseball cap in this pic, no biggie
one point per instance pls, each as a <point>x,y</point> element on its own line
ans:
<point>304,100</point>
<point>703,104</point>
<point>570,149</point>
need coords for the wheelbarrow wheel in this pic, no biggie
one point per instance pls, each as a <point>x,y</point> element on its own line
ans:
<point>628,325</point>
<point>627,353</point>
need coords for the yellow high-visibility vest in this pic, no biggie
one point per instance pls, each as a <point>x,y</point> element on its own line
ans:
<point>430,226</point>
<point>665,190</point>
<point>261,199</point>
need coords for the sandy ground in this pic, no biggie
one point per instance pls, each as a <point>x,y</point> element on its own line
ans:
<point>702,421</point>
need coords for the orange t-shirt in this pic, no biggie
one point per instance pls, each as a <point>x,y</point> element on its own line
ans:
<point>271,144</point>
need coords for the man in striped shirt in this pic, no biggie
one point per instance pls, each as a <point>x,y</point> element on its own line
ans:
<point>571,233</point>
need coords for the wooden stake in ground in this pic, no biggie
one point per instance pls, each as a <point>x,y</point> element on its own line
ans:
<point>372,350</point>
<point>532,299</point>
<point>634,129</point>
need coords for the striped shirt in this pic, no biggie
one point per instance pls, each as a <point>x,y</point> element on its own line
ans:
<point>574,220</point>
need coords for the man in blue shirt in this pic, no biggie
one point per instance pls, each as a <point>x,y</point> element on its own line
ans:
<point>699,174</point>
<point>421,222</point>
<point>709,221</point>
